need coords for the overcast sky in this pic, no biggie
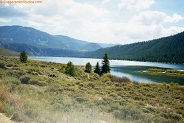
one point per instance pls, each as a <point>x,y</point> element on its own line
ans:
<point>102,21</point>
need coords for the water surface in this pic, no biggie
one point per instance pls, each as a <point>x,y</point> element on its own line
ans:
<point>126,68</point>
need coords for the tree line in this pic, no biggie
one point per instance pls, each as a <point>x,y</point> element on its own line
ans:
<point>167,49</point>
<point>70,68</point>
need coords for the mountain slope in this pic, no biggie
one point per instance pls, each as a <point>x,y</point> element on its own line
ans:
<point>39,39</point>
<point>167,49</point>
<point>33,50</point>
<point>6,52</point>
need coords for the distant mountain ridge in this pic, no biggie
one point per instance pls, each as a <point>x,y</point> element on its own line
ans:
<point>35,42</point>
<point>30,37</point>
<point>167,49</point>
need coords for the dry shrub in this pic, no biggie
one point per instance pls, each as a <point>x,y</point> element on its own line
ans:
<point>25,79</point>
<point>119,79</point>
<point>8,99</point>
<point>105,77</point>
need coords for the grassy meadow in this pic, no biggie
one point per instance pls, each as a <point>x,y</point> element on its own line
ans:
<point>170,72</point>
<point>41,92</point>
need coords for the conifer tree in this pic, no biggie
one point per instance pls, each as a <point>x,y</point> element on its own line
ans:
<point>105,64</point>
<point>97,69</point>
<point>23,57</point>
<point>70,69</point>
<point>88,68</point>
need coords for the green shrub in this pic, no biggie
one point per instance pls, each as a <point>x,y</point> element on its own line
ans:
<point>2,73</point>
<point>88,68</point>
<point>131,113</point>
<point>25,79</point>
<point>14,80</point>
<point>34,81</point>
<point>10,65</point>
<point>17,117</point>
<point>80,99</point>
<point>9,109</point>
<point>155,70</point>
<point>70,69</point>
<point>2,65</point>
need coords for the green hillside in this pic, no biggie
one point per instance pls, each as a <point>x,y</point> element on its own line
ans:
<point>6,52</point>
<point>41,92</point>
<point>167,49</point>
<point>36,42</point>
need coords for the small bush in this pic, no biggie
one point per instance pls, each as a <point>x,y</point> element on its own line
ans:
<point>2,65</point>
<point>37,82</point>
<point>10,65</point>
<point>70,69</point>
<point>2,73</point>
<point>15,81</point>
<point>119,79</point>
<point>25,79</point>
<point>88,68</point>
<point>17,117</point>
<point>92,85</point>
<point>105,77</point>
<point>155,70</point>
<point>80,99</point>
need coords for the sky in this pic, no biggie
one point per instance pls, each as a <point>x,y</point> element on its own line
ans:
<point>101,21</point>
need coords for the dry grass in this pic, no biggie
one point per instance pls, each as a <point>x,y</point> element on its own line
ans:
<point>41,92</point>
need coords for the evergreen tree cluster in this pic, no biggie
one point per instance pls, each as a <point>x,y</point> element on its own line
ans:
<point>70,68</point>
<point>105,66</point>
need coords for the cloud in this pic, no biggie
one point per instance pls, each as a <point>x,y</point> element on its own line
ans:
<point>155,17</point>
<point>150,25</point>
<point>106,1</point>
<point>8,11</point>
<point>5,20</point>
<point>172,30</point>
<point>85,21</point>
<point>174,18</point>
<point>68,9</point>
<point>136,4</point>
<point>63,17</point>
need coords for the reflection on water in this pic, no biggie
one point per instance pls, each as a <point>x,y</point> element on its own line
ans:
<point>131,76</point>
<point>125,68</point>
<point>133,72</point>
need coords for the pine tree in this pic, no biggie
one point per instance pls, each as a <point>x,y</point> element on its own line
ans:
<point>23,57</point>
<point>97,69</point>
<point>70,69</point>
<point>88,68</point>
<point>105,64</point>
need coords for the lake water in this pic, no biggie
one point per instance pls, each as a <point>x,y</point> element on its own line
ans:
<point>122,68</point>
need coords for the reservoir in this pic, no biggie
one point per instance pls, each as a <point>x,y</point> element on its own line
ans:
<point>124,68</point>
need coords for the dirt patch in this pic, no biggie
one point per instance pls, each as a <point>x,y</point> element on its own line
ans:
<point>4,119</point>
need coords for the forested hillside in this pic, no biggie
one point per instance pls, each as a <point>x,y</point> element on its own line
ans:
<point>167,49</point>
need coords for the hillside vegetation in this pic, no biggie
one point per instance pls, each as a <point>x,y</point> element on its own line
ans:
<point>41,92</point>
<point>168,49</point>
<point>7,52</point>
